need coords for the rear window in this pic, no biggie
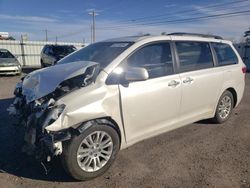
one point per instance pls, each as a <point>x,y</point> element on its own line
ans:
<point>5,54</point>
<point>247,53</point>
<point>63,50</point>
<point>225,54</point>
<point>194,55</point>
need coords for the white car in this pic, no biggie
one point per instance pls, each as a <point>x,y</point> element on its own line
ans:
<point>113,94</point>
<point>9,65</point>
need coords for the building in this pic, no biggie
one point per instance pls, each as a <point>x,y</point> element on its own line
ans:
<point>4,35</point>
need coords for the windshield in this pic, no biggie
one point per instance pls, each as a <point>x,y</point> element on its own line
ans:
<point>101,52</point>
<point>63,50</point>
<point>5,54</point>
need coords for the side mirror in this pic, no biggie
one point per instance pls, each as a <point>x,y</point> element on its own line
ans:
<point>136,74</point>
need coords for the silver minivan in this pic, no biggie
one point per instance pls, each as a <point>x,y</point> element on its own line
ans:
<point>113,94</point>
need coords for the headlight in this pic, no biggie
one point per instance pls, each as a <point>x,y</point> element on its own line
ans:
<point>53,115</point>
<point>18,89</point>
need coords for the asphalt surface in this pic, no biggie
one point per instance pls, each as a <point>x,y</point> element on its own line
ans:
<point>198,155</point>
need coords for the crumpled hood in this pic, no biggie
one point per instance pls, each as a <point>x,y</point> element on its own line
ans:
<point>40,83</point>
<point>6,62</point>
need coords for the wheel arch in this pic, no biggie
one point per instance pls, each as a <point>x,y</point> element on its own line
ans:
<point>104,121</point>
<point>234,93</point>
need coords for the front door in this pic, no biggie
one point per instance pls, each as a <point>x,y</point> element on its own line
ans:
<point>151,107</point>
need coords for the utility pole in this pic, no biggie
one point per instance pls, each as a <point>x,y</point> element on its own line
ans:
<point>22,50</point>
<point>46,35</point>
<point>93,14</point>
<point>91,33</point>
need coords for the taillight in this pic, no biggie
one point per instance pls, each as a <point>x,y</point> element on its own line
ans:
<point>244,70</point>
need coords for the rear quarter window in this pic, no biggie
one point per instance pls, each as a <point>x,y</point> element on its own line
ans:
<point>225,54</point>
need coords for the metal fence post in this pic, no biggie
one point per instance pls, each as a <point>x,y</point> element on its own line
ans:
<point>22,51</point>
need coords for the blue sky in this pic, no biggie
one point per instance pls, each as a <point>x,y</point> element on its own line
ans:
<point>69,20</point>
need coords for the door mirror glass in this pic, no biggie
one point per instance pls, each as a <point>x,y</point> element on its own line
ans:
<point>136,74</point>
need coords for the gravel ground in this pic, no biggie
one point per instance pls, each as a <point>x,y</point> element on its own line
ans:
<point>198,155</point>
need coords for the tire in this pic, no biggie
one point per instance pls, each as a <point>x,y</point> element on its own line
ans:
<point>71,148</point>
<point>226,96</point>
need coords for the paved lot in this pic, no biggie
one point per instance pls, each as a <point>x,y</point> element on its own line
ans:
<point>198,155</point>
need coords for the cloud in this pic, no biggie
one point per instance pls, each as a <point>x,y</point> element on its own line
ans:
<point>170,5</point>
<point>76,30</point>
<point>26,18</point>
<point>230,27</point>
<point>211,10</point>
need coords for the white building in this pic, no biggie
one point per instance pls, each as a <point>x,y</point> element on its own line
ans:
<point>4,35</point>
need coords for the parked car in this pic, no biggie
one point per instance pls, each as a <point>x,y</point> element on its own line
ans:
<point>51,54</point>
<point>113,94</point>
<point>246,57</point>
<point>9,64</point>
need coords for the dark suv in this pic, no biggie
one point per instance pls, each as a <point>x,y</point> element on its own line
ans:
<point>51,54</point>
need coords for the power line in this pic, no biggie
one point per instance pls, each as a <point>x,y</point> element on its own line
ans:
<point>72,33</point>
<point>81,31</point>
<point>193,13</point>
<point>159,19</point>
<point>231,14</point>
<point>185,11</point>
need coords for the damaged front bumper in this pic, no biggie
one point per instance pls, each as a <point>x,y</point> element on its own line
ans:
<point>44,146</point>
<point>35,118</point>
<point>38,108</point>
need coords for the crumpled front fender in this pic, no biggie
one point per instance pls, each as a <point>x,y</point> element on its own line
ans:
<point>89,103</point>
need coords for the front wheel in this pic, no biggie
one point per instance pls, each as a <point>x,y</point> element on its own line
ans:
<point>91,153</point>
<point>224,107</point>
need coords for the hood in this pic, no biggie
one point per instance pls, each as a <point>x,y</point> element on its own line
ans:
<point>60,56</point>
<point>42,82</point>
<point>6,62</point>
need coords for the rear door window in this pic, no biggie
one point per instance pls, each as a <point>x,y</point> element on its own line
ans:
<point>194,55</point>
<point>225,54</point>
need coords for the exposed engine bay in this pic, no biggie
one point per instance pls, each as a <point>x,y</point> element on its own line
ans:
<point>35,105</point>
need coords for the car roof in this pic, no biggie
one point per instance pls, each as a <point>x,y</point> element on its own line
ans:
<point>56,45</point>
<point>173,36</point>
<point>128,38</point>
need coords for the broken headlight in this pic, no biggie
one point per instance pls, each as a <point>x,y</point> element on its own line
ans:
<point>18,89</point>
<point>53,114</point>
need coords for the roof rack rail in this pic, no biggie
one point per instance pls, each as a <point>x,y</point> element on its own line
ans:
<point>140,35</point>
<point>196,34</point>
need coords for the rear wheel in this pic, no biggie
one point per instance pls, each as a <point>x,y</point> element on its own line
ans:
<point>224,107</point>
<point>91,153</point>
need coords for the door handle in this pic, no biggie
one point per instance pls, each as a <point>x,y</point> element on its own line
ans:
<point>173,83</point>
<point>188,80</point>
